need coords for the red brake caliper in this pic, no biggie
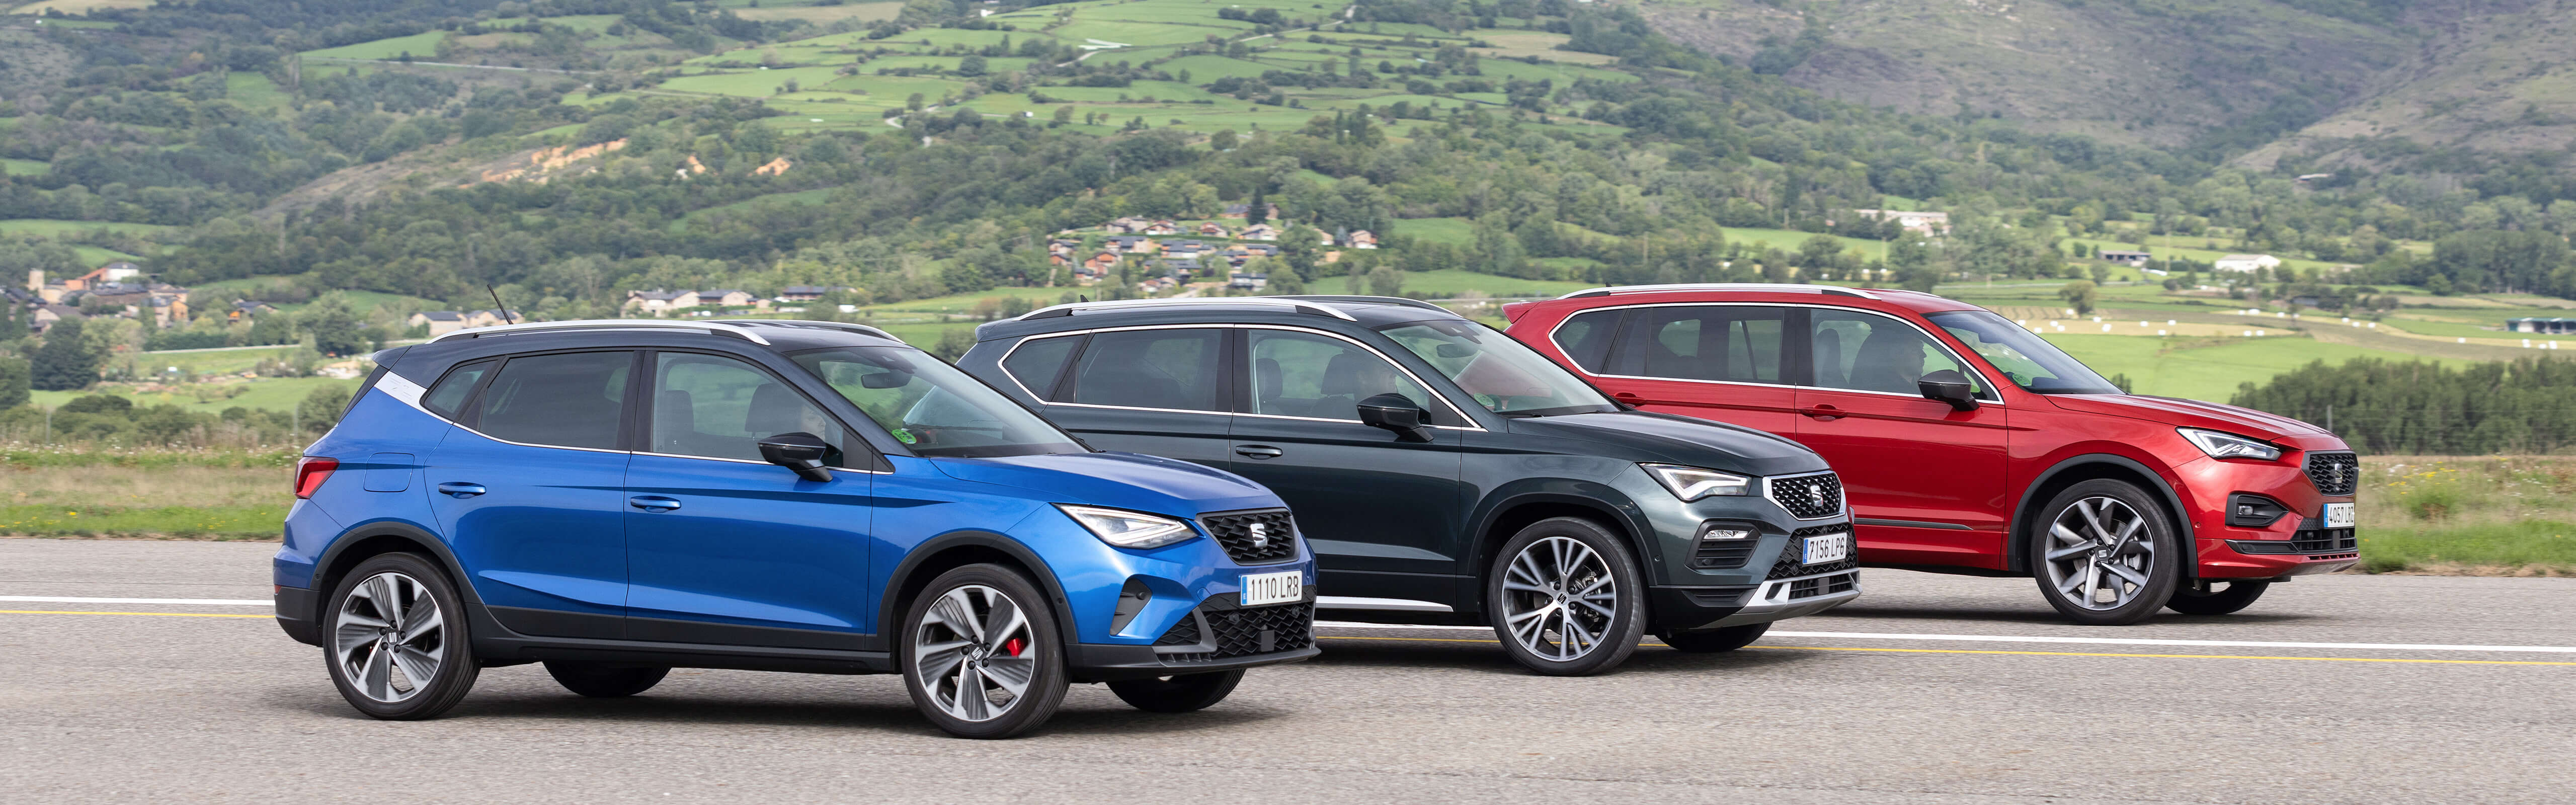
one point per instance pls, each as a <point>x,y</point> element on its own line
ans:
<point>1012,647</point>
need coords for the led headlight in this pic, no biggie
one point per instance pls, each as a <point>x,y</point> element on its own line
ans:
<point>1128,529</point>
<point>2229,445</point>
<point>1693,483</point>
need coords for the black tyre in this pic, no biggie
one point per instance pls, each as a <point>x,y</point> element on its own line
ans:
<point>1177,694</point>
<point>2105,555</point>
<point>981,653</point>
<point>2208,598</point>
<point>1711,641</point>
<point>397,647</point>
<point>1566,597</point>
<point>606,681</point>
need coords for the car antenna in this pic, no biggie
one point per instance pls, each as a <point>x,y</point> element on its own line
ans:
<point>496,303</point>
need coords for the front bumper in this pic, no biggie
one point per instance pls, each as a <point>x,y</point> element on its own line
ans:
<point>1684,609</point>
<point>1104,662</point>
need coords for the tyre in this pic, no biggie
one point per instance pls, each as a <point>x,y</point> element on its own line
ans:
<point>981,653</point>
<point>1566,597</point>
<point>1177,694</point>
<point>603,680</point>
<point>398,648</point>
<point>2206,598</point>
<point>1712,641</point>
<point>2108,556</point>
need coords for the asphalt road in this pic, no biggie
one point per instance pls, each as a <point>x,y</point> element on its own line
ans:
<point>152,708</point>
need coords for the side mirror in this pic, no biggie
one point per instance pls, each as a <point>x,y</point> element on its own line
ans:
<point>799,451</point>
<point>1394,412</point>
<point>1950,387</point>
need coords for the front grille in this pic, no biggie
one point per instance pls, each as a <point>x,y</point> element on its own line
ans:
<point>2335,474</point>
<point>1240,632</point>
<point>2307,542</point>
<point>1276,542</point>
<point>1807,497</point>
<point>1825,585</point>
<point>1723,554</point>
<point>1789,566</point>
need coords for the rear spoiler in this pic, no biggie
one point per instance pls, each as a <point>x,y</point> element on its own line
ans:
<point>1512,311</point>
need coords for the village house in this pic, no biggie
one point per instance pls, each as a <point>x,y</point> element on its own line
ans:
<point>46,315</point>
<point>439,322</point>
<point>247,309</point>
<point>1247,282</point>
<point>492,318</point>
<point>1259,232</point>
<point>1270,211</point>
<point>1087,274</point>
<point>807,293</point>
<point>1362,239</point>
<point>1126,225</point>
<point>1134,244</point>
<point>656,302</point>
<point>1931,224</point>
<point>1210,229</point>
<point>2131,259</point>
<point>1162,227</point>
<point>2246,263</point>
<point>1102,262</point>
<point>1186,248</point>
<point>1182,268</point>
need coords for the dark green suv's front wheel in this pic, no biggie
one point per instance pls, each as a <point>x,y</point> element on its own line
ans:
<point>1566,597</point>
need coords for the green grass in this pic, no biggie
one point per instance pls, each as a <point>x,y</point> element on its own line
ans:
<point>422,46</point>
<point>2532,544</point>
<point>56,228</point>
<point>270,393</point>
<point>1452,282</point>
<point>1453,231</point>
<point>200,522</point>
<point>94,256</point>
<point>2205,368</point>
<point>254,90</point>
<point>24,167</point>
<point>1788,240</point>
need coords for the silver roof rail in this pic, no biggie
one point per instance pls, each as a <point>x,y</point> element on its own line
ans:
<point>1378,300</point>
<point>1282,301</point>
<point>1769,287</point>
<point>843,326</point>
<point>719,328</point>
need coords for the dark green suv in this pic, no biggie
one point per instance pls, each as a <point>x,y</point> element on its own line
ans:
<point>1445,474</point>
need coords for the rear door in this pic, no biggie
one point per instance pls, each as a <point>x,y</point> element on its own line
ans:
<point>1925,482</point>
<point>530,489</point>
<point>1727,363</point>
<point>1160,391</point>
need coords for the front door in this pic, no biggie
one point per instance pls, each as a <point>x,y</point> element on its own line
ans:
<point>1925,482</point>
<point>726,548</point>
<point>1718,362</point>
<point>530,490</point>
<point>1381,513</point>
<point>1157,391</point>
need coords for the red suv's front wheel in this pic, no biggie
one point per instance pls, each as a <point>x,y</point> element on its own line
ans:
<point>2107,555</point>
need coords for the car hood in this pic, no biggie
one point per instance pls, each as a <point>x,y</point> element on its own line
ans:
<point>1117,480</point>
<point>1645,436</point>
<point>2194,413</point>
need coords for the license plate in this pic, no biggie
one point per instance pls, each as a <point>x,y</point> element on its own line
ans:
<point>1273,588</point>
<point>1824,548</point>
<point>2339,515</point>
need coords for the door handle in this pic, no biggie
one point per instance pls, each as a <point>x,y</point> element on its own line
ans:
<point>1259,451</point>
<point>460,491</point>
<point>1824,412</point>
<point>653,503</point>
<point>1626,395</point>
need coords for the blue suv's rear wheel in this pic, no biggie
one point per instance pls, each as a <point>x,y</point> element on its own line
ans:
<point>981,654</point>
<point>397,648</point>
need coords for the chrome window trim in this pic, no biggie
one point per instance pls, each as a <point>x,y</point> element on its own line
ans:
<point>749,461</point>
<point>414,402</point>
<point>1770,484</point>
<point>1399,366</point>
<point>1991,388</point>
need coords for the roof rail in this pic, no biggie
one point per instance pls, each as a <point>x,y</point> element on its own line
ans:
<point>719,328</point>
<point>1380,300</point>
<point>1301,305</point>
<point>843,326</point>
<point>1770,287</point>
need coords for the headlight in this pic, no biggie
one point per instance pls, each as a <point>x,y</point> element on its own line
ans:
<point>2229,445</point>
<point>1693,483</point>
<point>1128,529</point>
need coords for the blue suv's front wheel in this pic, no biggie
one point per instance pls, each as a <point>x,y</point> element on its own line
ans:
<point>981,653</point>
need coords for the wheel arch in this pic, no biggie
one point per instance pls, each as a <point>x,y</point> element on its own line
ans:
<point>2088,467</point>
<point>369,540</point>
<point>1509,515</point>
<point>958,549</point>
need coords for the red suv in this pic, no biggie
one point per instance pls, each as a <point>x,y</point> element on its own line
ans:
<point>1968,445</point>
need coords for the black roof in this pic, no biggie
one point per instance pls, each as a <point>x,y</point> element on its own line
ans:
<point>1361,311</point>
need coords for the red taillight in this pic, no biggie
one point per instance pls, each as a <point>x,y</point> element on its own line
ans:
<point>310,472</point>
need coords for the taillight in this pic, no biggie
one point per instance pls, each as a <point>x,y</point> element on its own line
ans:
<point>310,472</point>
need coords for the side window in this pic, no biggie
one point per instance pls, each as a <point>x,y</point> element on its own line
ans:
<point>1038,362</point>
<point>569,400</point>
<point>1302,374</point>
<point>1586,338</point>
<point>1870,352</point>
<point>1708,342</point>
<point>448,397</point>
<point>720,407</point>
<point>1152,369</point>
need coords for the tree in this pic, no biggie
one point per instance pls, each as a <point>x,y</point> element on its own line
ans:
<point>322,406</point>
<point>65,362</point>
<point>1222,140</point>
<point>1064,114</point>
<point>1258,210</point>
<point>970,66</point>
<point>1386,281</point>
<point>13,383</point>
<point>335,326</point>
<point>2081,294</point>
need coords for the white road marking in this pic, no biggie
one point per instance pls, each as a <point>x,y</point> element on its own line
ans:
<point>2097,641</point>
<point>204,602</point>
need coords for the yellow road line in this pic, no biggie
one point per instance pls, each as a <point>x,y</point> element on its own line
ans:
<point>2025,653</point>
<point>159,614</point>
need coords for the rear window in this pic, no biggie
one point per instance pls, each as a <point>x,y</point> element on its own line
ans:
<point>1586,338</point>
<point>1038,362</point>
<point>568,400</point>
<point>448,397</point>
<point>1172,369</point>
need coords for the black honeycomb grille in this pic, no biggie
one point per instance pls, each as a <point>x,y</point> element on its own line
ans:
<point>2335,474</point>
<point>1275,539</point>
<point>1789,566</point>
<point>1808,496</point>
<point>1241,632</point>
<point>1827,585</point>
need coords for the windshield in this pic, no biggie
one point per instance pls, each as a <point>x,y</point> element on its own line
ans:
<point>931,406</point>
<point>1504,376</point>
<point>2033,364</point>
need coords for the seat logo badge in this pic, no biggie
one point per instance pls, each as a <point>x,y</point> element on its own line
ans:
<point>1817,492</point>
<point>1260,535</point>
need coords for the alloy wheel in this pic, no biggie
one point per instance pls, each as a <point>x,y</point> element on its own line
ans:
<point>1559,598</point>
<point>389,637</point>
<point>974,653</point>
<point>2101,556</point>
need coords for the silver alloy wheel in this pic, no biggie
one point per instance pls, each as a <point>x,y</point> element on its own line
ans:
<point>2102,555</point>
<point>389,637</point>
<point>974,653</point>
<point>1559,598</point>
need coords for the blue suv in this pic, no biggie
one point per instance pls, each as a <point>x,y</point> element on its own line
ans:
<point>618,498</point>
